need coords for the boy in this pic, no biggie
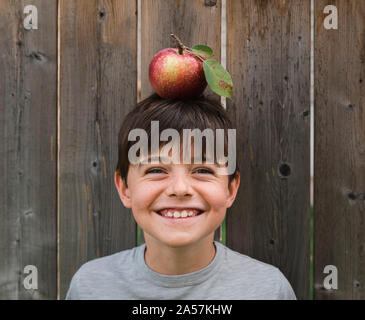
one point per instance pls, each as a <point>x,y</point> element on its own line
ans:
<point>178,206</point>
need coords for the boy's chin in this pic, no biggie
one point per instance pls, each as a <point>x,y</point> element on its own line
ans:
<point>178,242</point>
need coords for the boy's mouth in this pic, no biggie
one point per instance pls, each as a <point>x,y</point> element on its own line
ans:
<point>176,213</point>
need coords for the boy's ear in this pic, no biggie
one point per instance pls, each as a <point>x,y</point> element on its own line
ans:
<point>123,190</point>
<point>232,190</point>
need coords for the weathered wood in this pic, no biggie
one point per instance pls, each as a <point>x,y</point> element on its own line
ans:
<point>339,168</point>
<point>194,22</point>
<point>268,56</point>
<point>98,72</point>
<point>28,150</point>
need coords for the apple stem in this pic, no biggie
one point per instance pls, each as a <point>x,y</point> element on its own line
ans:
<point>182,47</point>
<point>179,44</point>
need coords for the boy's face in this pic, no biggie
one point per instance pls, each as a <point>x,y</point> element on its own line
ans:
<point>152,187</point>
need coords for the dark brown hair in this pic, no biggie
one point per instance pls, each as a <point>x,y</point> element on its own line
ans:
<point>200,113</point>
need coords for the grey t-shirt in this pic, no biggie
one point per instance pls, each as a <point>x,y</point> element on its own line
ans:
<point>229,276</point>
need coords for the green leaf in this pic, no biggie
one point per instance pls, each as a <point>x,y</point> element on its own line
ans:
<point>203,51</point>
<point>218,78</point>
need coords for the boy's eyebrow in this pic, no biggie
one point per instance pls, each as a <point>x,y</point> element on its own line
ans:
<point>160,158</point>
<point>150,159</point>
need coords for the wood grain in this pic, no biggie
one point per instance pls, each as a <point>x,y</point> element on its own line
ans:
<point>28,153</point>
<point>339,169</point>
<point>98,72</point>
<point>194,22</point>
<point>268,47</point>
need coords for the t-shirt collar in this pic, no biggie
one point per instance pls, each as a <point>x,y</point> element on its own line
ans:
<point>181,280</point>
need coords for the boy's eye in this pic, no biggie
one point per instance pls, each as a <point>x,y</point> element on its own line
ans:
<point>154,170</point>
<point>204,170</point>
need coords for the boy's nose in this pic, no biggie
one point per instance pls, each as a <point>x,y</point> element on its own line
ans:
<point>179,186</point>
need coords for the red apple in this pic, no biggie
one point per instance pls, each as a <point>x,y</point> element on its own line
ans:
<point>177,76</point>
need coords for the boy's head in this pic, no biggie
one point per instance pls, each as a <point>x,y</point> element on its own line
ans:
<point>180,187</point>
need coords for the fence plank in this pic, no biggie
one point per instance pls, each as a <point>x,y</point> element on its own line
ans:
<point>98,72</point>
<point>339,179</point>
<point>268,55</point>
<point>28,150</point>
<point>194,22</point>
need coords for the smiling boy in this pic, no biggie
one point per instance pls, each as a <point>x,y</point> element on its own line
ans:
<point>178,206</point>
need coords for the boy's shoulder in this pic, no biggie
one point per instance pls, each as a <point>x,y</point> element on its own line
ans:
<point>259,276</point>
<point>242,260</point>
<point>107,264</point>
<point>101,273</point>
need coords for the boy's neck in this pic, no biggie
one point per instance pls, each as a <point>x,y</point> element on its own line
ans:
<point>174,261</point>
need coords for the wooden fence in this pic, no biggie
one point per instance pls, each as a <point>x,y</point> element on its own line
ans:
<point>66,86</point>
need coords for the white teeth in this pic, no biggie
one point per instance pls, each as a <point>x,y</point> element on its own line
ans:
<point>179,214</point>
